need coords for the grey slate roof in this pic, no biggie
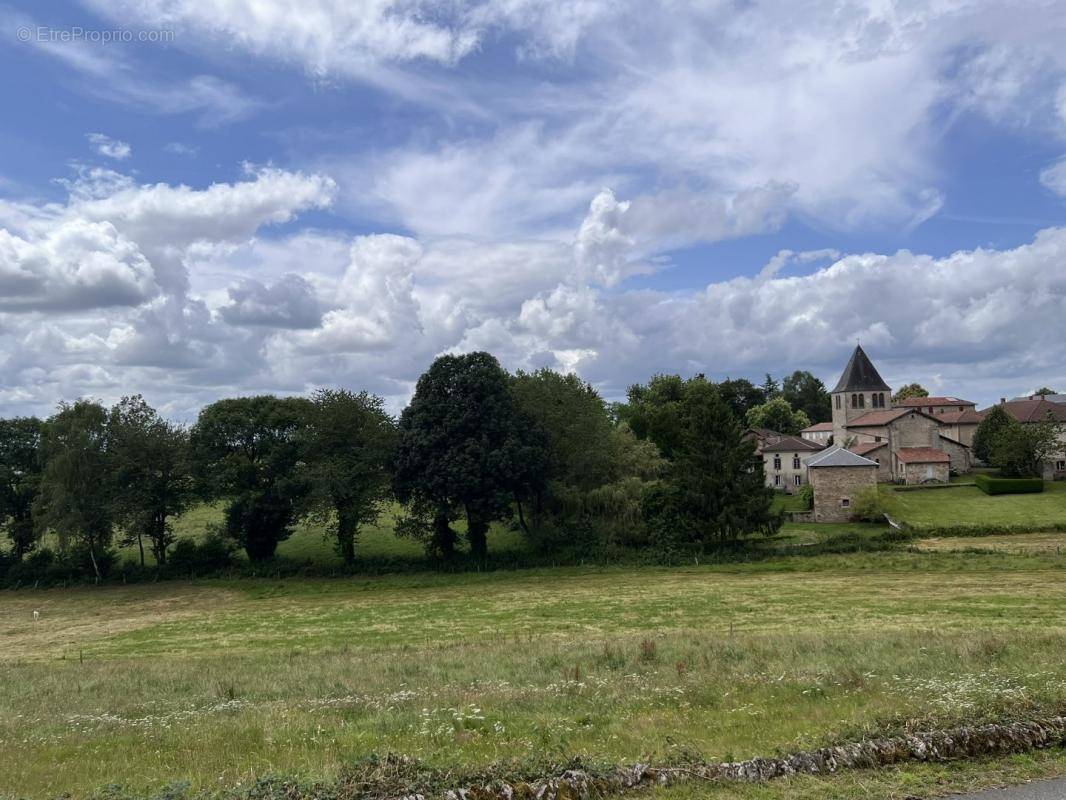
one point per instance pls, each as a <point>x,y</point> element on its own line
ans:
<point>860,375</point>
<point>839,457</point>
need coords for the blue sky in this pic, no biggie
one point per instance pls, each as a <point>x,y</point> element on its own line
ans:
<point>271,201</point>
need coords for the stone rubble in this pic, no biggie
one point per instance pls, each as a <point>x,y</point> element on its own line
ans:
<point>964,742</point>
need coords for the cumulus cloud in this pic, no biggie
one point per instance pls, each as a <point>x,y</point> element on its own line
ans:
<point>76,264</point>
<point>109,148</point>
<point>287,303</point>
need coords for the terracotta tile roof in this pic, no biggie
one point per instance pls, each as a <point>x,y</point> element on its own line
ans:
<point>922,455</point>
<point>967,417</point>
<point>920,402</point>
<point>818,427</point>
<point>862,448</point>
<point>879,418</point>
<point>782,444</point>
<point>1033,410</point>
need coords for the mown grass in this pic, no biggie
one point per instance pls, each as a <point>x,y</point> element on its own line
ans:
<point>968,506</point>
<point>1046,542</point>
<point>219,682</point>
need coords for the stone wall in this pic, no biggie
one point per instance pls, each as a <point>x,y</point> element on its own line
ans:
<point>960,456</point>
<point>925,473</point>
<point>835,485</point>
<point>976,741</point>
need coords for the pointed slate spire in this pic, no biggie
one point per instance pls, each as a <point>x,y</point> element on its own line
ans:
<point>860,375</point>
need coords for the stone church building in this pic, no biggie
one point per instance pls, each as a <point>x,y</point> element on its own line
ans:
<point>910,442</point>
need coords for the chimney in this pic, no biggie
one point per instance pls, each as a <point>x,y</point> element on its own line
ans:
<point>1002,400</point>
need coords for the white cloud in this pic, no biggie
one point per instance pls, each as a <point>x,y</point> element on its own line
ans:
<point>75,264</point>
<point>109,148</point>
<point>1054,177</point>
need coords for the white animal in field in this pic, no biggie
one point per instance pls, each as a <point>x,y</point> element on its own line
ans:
<point>36,615</point>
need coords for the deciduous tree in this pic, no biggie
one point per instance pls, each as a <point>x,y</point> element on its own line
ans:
<point>778,415</point>
<point>76,498</point>
<point>908,391</point>
<point>806,393</point>
<point>20,472</point>
<point>246,450</point>
<point>463,448</point>
<point>153,474</point>
<point>984,438</point>
<point>349,444</point>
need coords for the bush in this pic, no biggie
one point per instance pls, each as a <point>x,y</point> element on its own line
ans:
<point>868,506</point>
<point>806,496</point>
<point>993,485</point>
<point>214,553</point>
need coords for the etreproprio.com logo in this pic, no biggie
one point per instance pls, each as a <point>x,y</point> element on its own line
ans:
<point>40,33</point>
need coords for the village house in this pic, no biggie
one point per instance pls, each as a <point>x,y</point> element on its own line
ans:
<point>782,458</point>
<point>819,433</point>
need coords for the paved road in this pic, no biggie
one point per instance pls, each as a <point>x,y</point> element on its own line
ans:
<point>1038,790</point>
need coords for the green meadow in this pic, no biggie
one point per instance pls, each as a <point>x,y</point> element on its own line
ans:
<point>220,682</point>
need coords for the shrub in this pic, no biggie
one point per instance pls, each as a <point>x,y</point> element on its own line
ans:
<point>214,553</point>
<point>993,485</point>
<point>868,506</point>
<point>806,495</point>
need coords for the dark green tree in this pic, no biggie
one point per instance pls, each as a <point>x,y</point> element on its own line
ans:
<point>1019,451</point>
<point>20,473</point>
<point>984,438</point>
<point>770,388</point>
<point>595,469</point>
<point>153,474</point>
<point>909,391</point>
<point>741,394</point>
<point>246,451</point>
<point>1044,391</point>
<point>712,492</point>
<point>77,490</point>
<point>777,415</point>
<point>652,411</point>
<point>464,448</point>
<point>808,394</point>
<point>349,444</point>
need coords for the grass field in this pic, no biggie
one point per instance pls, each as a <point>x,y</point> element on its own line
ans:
<point>221,681</point>
<point>969,506</point>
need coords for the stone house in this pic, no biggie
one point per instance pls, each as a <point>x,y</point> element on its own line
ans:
<point>819,433</point>
<point>922,465</point>
<point>838,476</point>
<point>783,458</point>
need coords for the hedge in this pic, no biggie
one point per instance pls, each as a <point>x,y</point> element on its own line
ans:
<point>990,485</point>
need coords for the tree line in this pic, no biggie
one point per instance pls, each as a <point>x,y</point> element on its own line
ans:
<point>670,468</point>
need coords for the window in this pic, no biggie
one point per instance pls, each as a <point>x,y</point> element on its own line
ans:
<point>777,462</point>
<point>854,401</point>
<point>777,480</point>
<point>1060,466</point>
<point>797,480</point>
<point>845,502</point>
<point>881,399</point>
<point>862,401</point>
<point>837,398</point>
<point>877,438</point>
<point>795,462</point>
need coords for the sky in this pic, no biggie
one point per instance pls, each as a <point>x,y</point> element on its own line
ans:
<point>210,198</point>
